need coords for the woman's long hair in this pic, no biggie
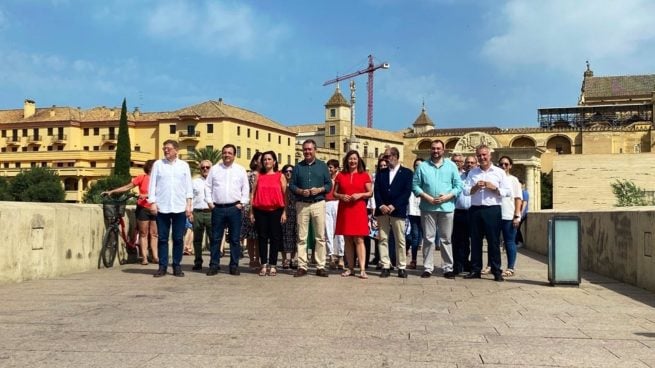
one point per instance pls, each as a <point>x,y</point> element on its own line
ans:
<point>261,162</point>
<point>361,166</point>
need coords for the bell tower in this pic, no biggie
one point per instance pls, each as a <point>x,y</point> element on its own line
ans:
<point>337,122</point>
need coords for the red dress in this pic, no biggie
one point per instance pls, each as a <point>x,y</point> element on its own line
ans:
<point>352,218</point>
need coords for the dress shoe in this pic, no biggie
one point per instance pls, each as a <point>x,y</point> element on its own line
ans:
<point>385,272</point>
<point>321,272</point>
<point>177,271</point>
<point>300,272</point>
<point>160,272</point>
<point>197,267</point>
<point>213,271</point>
<point>499,278</point>
<point>449,275</point>
<point>234,271</point>
<point>426,275</point>
<point>472,275</point>
<point>402,273</point>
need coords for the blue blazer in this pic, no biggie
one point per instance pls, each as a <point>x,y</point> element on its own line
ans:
<point>396,194</point>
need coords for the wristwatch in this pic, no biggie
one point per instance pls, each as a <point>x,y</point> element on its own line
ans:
<point>517,216</point>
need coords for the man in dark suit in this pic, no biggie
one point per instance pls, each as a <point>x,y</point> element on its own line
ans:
<point>392,189</point>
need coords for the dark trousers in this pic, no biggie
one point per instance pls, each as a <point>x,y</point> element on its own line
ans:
<point>222,216</point>
<point>415,235</point>
<point>461,241</point>
<point>269,229</point>
<point>166,221</point>
<point>519,234</point>
<point>485,222</point>
<point>202,224</point>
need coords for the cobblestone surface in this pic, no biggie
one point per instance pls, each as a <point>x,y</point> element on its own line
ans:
<point>124,317</point>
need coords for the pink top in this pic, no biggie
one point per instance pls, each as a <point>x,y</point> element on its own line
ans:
<point>142,182</point>
<point>268,196</point>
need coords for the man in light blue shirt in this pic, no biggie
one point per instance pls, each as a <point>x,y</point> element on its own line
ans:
<point>438,183</point>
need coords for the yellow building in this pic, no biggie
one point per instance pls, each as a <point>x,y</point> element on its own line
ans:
<point>80,144</point>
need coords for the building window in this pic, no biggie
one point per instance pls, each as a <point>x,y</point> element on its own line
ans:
<point>137,148</point>
<point>5,165</point>
<point>24,132</point>
<point>49,148</point>
<point>210,128</point>
<point>86,148</point>
<point>269,137</point>
<point>288,141</point>
<point>44,164</point>
<point>172,129</point>
<point>279,157</point>
<point>238,130</point>
<point>238,151</point>
<point>96,131</point>
<point>71,164</point>
<point>86,132</point>
<point>191,130</point>
<point>333,130</point>
<point>288,159</point>
<point>333,113</point>
<point>92,163</point>
<point>111,147</point>
<point>3,149</point>
<point>365,151</point>
<point>210,147</point>
<point>248,133</point>
<point>14,149</point>
<point>190,148</point>
<point>32,164</point>
<point>23,149</point>
<point>96,148</point>
<point>50,132</point>
<point>333,145</point>
<point>377,153</point>
<point>248,153</point>
<point>256,134</point>
<point>18,165</point>
<point>4,134</point>
<point>60,164</point>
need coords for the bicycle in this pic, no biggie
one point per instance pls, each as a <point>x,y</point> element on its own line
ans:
<point>114,211</point>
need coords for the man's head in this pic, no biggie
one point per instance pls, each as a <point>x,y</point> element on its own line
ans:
<point>170,149</point>
<point>333,166</point>
<point>483,153</point>
<point>205,166</point>
<point>393,155</point>
<point>470,162</point>
<point>437,150</point>
<point>227,154</point>
<point>309,150</point>
<point>458,159</point>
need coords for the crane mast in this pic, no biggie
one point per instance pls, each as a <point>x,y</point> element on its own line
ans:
<point>369,85</point>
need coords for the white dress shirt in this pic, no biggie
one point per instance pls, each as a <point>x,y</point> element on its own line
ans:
<point>227,184</point>
<point>199,202</point>
<point>508,209</point>
<point>486,197</point>
<point>170,185</point>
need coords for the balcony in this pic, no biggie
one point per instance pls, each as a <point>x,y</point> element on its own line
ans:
<point>13,141</point>
<point>186,135</point>
<point>35,139</point>
<point>109,138</point>
<point>59,138</point>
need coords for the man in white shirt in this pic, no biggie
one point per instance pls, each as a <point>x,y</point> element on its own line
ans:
<point>202,216</point>
<point>170,194</point>
<point>227,191</point>
<point>487,185</point>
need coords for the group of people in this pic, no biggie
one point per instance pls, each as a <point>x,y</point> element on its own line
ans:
<point>445,204</point>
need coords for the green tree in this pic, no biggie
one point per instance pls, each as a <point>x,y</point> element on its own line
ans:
<point>38,184</point>
<point>546,191</point>
<point>123,150</point>
<point>629,194</point>
<point>5,195</point>
<point>206,153</point>
<point>92,195</point>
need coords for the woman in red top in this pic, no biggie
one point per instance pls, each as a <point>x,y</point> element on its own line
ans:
<point>146,221</point>
<point>268,198</point>
<point>353,189</point>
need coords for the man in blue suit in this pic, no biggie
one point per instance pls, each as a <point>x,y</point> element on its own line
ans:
<point>392,189</point>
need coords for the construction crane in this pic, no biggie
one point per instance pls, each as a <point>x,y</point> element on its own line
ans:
<point>370,69</point>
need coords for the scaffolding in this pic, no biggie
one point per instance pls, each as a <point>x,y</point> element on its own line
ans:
<point>585,116</point>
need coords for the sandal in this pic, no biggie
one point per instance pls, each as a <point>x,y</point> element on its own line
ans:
<point>144,262</point>
<point>262,272</point>
<point>347,273</point>
<point>486,270</point>
<point>412,265</point>
<point>363,275</point>
<point>508,272</point>
<point>272,271</point>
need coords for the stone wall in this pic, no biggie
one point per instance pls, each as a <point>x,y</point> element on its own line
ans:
<point>583,182</point>
<point>617,243</point>
<point>42,240</point>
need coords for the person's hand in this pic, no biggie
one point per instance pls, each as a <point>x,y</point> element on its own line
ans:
<point>315,191</point>
<point>283,219</point>
<point>305,192</point>
<point>239,206</point>
<point>252,217</point>
<point>153,209</point>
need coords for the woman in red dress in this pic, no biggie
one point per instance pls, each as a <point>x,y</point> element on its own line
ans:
<point>353,189</point>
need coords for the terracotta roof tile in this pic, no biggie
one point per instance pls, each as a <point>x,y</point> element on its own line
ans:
<point>423,119</point>
<point>613,86</point>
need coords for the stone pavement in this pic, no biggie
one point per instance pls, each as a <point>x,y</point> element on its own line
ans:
<point>123,317</point>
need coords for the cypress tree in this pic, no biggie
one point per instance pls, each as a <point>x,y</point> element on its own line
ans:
<point>123,150</point>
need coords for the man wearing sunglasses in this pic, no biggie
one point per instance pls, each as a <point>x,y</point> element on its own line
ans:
<point>202,214</point>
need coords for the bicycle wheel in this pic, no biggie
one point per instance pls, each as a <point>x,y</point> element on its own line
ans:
<point>109,247</point>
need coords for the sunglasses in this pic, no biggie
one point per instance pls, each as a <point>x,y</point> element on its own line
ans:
<point>205,167</point>
<point>288,171</point>
<point>504,164</point>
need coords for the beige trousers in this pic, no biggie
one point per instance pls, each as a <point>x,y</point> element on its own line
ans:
<point>314,212</point>
<point>397,225</point>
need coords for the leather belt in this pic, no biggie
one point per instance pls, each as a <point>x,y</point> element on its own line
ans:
<point>202,210</point>
<point>225,205</point>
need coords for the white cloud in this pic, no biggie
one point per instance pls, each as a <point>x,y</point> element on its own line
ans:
<point>562,34</point>
<point>218,27</point>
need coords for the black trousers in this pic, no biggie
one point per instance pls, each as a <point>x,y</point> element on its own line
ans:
<point>269,229</point>
<point>461,241</point>
<point>485,222</point>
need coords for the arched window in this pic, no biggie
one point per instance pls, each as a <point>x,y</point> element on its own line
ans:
<point>523,142</point>
<point>424,145</point>
<point>451,143</point>
<point>559,144</point>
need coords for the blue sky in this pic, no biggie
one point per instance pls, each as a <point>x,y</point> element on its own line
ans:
<point>474,63</point>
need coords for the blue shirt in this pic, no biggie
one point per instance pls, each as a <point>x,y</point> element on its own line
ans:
<point>437,180</point>
<point>463,201</point>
